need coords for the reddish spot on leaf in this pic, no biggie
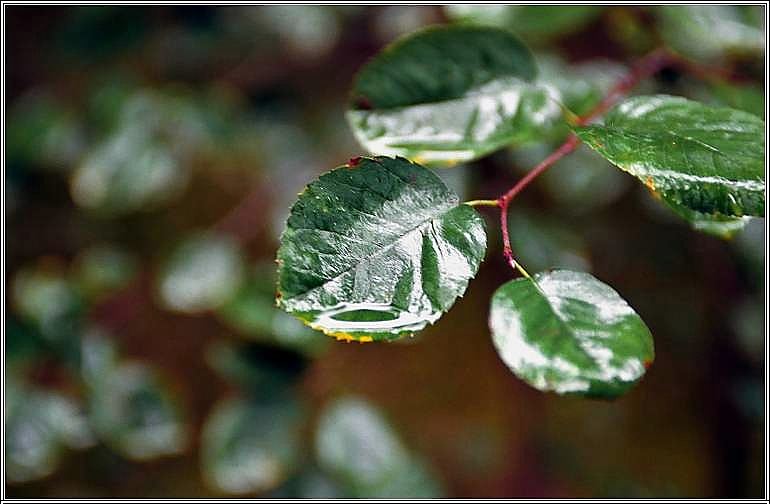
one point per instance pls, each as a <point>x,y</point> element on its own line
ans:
<point>354,161</point>
<point>647,364</point>
<point>363,103</point>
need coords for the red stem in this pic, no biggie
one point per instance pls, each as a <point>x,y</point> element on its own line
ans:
<point>645,67</point>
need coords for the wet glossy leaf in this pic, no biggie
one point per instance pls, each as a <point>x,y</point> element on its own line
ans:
<point>377,250</point>
<point>38,426</point>
<point>449,94</point>
<point>357,446</point>
<point>252,313</point>
<point>706,159</point>
<point>202,273</point>
<point>717,225</point>
<point>567,332</point>
<point>704,31</point>
<point>532,22</point>
<point>249,446</point>
<point>135,415</point>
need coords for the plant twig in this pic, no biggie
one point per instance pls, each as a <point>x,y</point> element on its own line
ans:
<point>645,67</point>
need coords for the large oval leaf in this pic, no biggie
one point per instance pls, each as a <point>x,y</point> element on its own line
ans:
<point>376,250</point>
<point>449,94</point>
<point>567,332</point>
<point>710,160</point>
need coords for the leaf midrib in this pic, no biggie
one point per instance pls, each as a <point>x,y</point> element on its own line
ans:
<point>372,256</point>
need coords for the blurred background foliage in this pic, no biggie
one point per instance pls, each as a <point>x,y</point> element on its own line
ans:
<point>152,154</point>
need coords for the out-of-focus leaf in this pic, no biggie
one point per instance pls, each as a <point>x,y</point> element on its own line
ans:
<point>96,32</point>
<point>580,86</point>
<point>449,94</point>
<point>252,312</point>
<point>357,446</point>
<point>534,23</point>
<point>102,269</point>
<point>541,243</point>
<point>202,273</point>
<point>567,332</point>
<point>48,301</point>
<point>41,131</point>
<point>261,371</point>
<point>98,356</point>
<point>131,171</point>
<point>377,250</point>
<point>135,415</point>
<point>710,160</point>
<point>250,447</point>
<point>747,98</point>
<point>38,426</point>
<point>710,31</point>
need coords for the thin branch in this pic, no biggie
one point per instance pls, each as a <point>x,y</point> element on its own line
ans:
<point>645,67</point>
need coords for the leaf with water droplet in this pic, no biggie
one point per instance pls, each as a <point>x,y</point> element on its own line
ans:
<point>706,159</point>
<point>567,332</point>
<point>378,251</point>
<point>449,94</point>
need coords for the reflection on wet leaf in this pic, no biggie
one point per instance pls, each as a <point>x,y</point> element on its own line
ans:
<point>358,447</point>
<point>202,273</point>
<point>250,446</point>
<point>381,234</point>
<point>567,332</point>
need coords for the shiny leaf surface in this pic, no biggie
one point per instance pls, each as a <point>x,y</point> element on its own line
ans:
<point>377,250</point>
<point>709,160</point>
<point>567,332</point>
<point>449,94</point>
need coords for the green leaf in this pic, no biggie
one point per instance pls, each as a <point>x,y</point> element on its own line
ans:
<point>449,94</point>
<point>250,447</point>
<point>202,273</point>
<point>377,250</point>
<point>135,414</point>
<point>742,97</point>
<point>38,426</point>
<point>567,332</point>
<point>706,159</point>
<point>717,225</point>
<point>710,31</point>
<point>357,446</point>
<point>534,23</point>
